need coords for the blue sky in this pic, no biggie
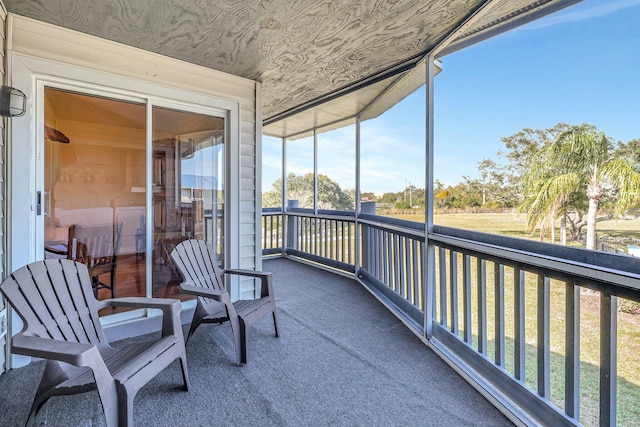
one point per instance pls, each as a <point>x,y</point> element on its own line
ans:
<point>580,65</point>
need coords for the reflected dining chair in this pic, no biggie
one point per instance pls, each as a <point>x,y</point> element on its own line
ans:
<point>96,246</point>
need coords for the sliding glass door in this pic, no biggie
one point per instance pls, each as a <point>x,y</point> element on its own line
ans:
<point>94,187</point>
<point>188,188</point>
<point>124,182</point>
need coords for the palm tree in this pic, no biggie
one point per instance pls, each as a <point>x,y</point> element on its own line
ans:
<point>579,161</point>
<point>548,193</point>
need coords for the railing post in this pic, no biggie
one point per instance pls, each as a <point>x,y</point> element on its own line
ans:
<point>499,319</point>
<point>544,336</point>
<point>292,229</point>
<point>572,346</point>
<point>519,310</point>
<point>367,241</point>
<point>608,358</point>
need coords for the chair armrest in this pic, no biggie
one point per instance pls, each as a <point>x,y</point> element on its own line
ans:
<point>170,307</point>
<point>215,294</point>
<point>74,353</point>
<point>199,291</point>
<point>266,278</point>
<point>246,272</point>
<point>142,302</point>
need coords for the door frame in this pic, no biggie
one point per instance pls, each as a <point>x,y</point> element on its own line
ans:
<point>30,75</point>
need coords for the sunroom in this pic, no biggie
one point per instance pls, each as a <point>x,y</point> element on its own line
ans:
<point>165,122</point>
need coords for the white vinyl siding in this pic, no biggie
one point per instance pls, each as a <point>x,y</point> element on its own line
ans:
<point>36,39</point>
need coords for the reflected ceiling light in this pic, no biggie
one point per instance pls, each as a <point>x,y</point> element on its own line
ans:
<point>13,102</point>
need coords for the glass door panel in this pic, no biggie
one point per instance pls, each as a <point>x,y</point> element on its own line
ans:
<point>95,188</point>
<point>188,189</point>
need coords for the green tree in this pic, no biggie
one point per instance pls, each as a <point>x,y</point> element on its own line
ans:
<point>580,161</point>
<point>390,198</point>
<point>466,195</point>
<point>273,197</point>
<point>497,191</point>
<point>631,150</point>
<point>300,187</point>
<point>503,179</point>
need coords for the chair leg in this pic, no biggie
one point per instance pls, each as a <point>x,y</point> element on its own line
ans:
<point>192,329</point>
<point>185,373</point>
<point>275,322</point>
<point>237,331</point>
<point>95,284</point>
<point>109,397</point>
<point>113,283</point>
<point>243,340</point>
<point>52,376</point>
<point>35,407</point>
<point>125,406</point>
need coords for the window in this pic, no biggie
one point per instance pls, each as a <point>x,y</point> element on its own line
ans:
<point>188,188</point>
<point>393,159</point>
<point>271,172</point>
<point>299,167</point>
<point>96,177</point>
<point>499,102</point>
<point>336,172</point>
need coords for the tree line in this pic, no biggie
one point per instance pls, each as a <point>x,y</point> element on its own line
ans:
<point>332,197</point>
<point>572,173</point>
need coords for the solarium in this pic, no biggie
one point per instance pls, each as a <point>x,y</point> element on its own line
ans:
<point>433,278</point>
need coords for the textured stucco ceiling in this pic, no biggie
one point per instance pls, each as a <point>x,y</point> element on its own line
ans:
<point>301,50</point>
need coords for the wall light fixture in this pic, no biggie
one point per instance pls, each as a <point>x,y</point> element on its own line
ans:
<point>13,102</point>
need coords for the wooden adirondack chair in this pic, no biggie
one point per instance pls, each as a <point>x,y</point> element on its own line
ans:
<point>196,261</point>
<point>55,300</point>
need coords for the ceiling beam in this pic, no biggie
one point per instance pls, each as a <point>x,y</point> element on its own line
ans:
<point>403,67</point>
<point>460,29</point>
<point>538,10</point>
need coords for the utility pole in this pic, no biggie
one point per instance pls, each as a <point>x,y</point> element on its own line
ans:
<point>405,191</point>
<point>410,198</point>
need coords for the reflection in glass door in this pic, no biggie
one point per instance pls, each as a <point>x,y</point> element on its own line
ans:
<point>188,189</point>
<point>95,188</point>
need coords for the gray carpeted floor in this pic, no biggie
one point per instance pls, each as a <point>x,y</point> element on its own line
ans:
<point>341,360</point>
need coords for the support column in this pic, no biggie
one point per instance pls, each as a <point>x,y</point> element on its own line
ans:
<point>283,202</point>
<point>428,264</point>
<point>359,240</point>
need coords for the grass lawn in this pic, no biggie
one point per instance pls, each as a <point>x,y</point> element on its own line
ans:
<point>628,355</point>
<point>511,224</point>
<point>628,362</point>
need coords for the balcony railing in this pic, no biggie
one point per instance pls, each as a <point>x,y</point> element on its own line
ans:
<point>512,314</point>
<point>272,231</point>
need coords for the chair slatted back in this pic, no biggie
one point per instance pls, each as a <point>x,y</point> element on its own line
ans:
<point>196,260</point>
<point>167,245</point>
<point>94,245</point>
<point>55,300</point>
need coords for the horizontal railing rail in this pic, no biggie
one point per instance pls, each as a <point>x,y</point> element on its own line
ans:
<point>534,323</point>
<point>272,231</point>
<point>327,238</point>
<point>477,281</point>
<point>392,256</point>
